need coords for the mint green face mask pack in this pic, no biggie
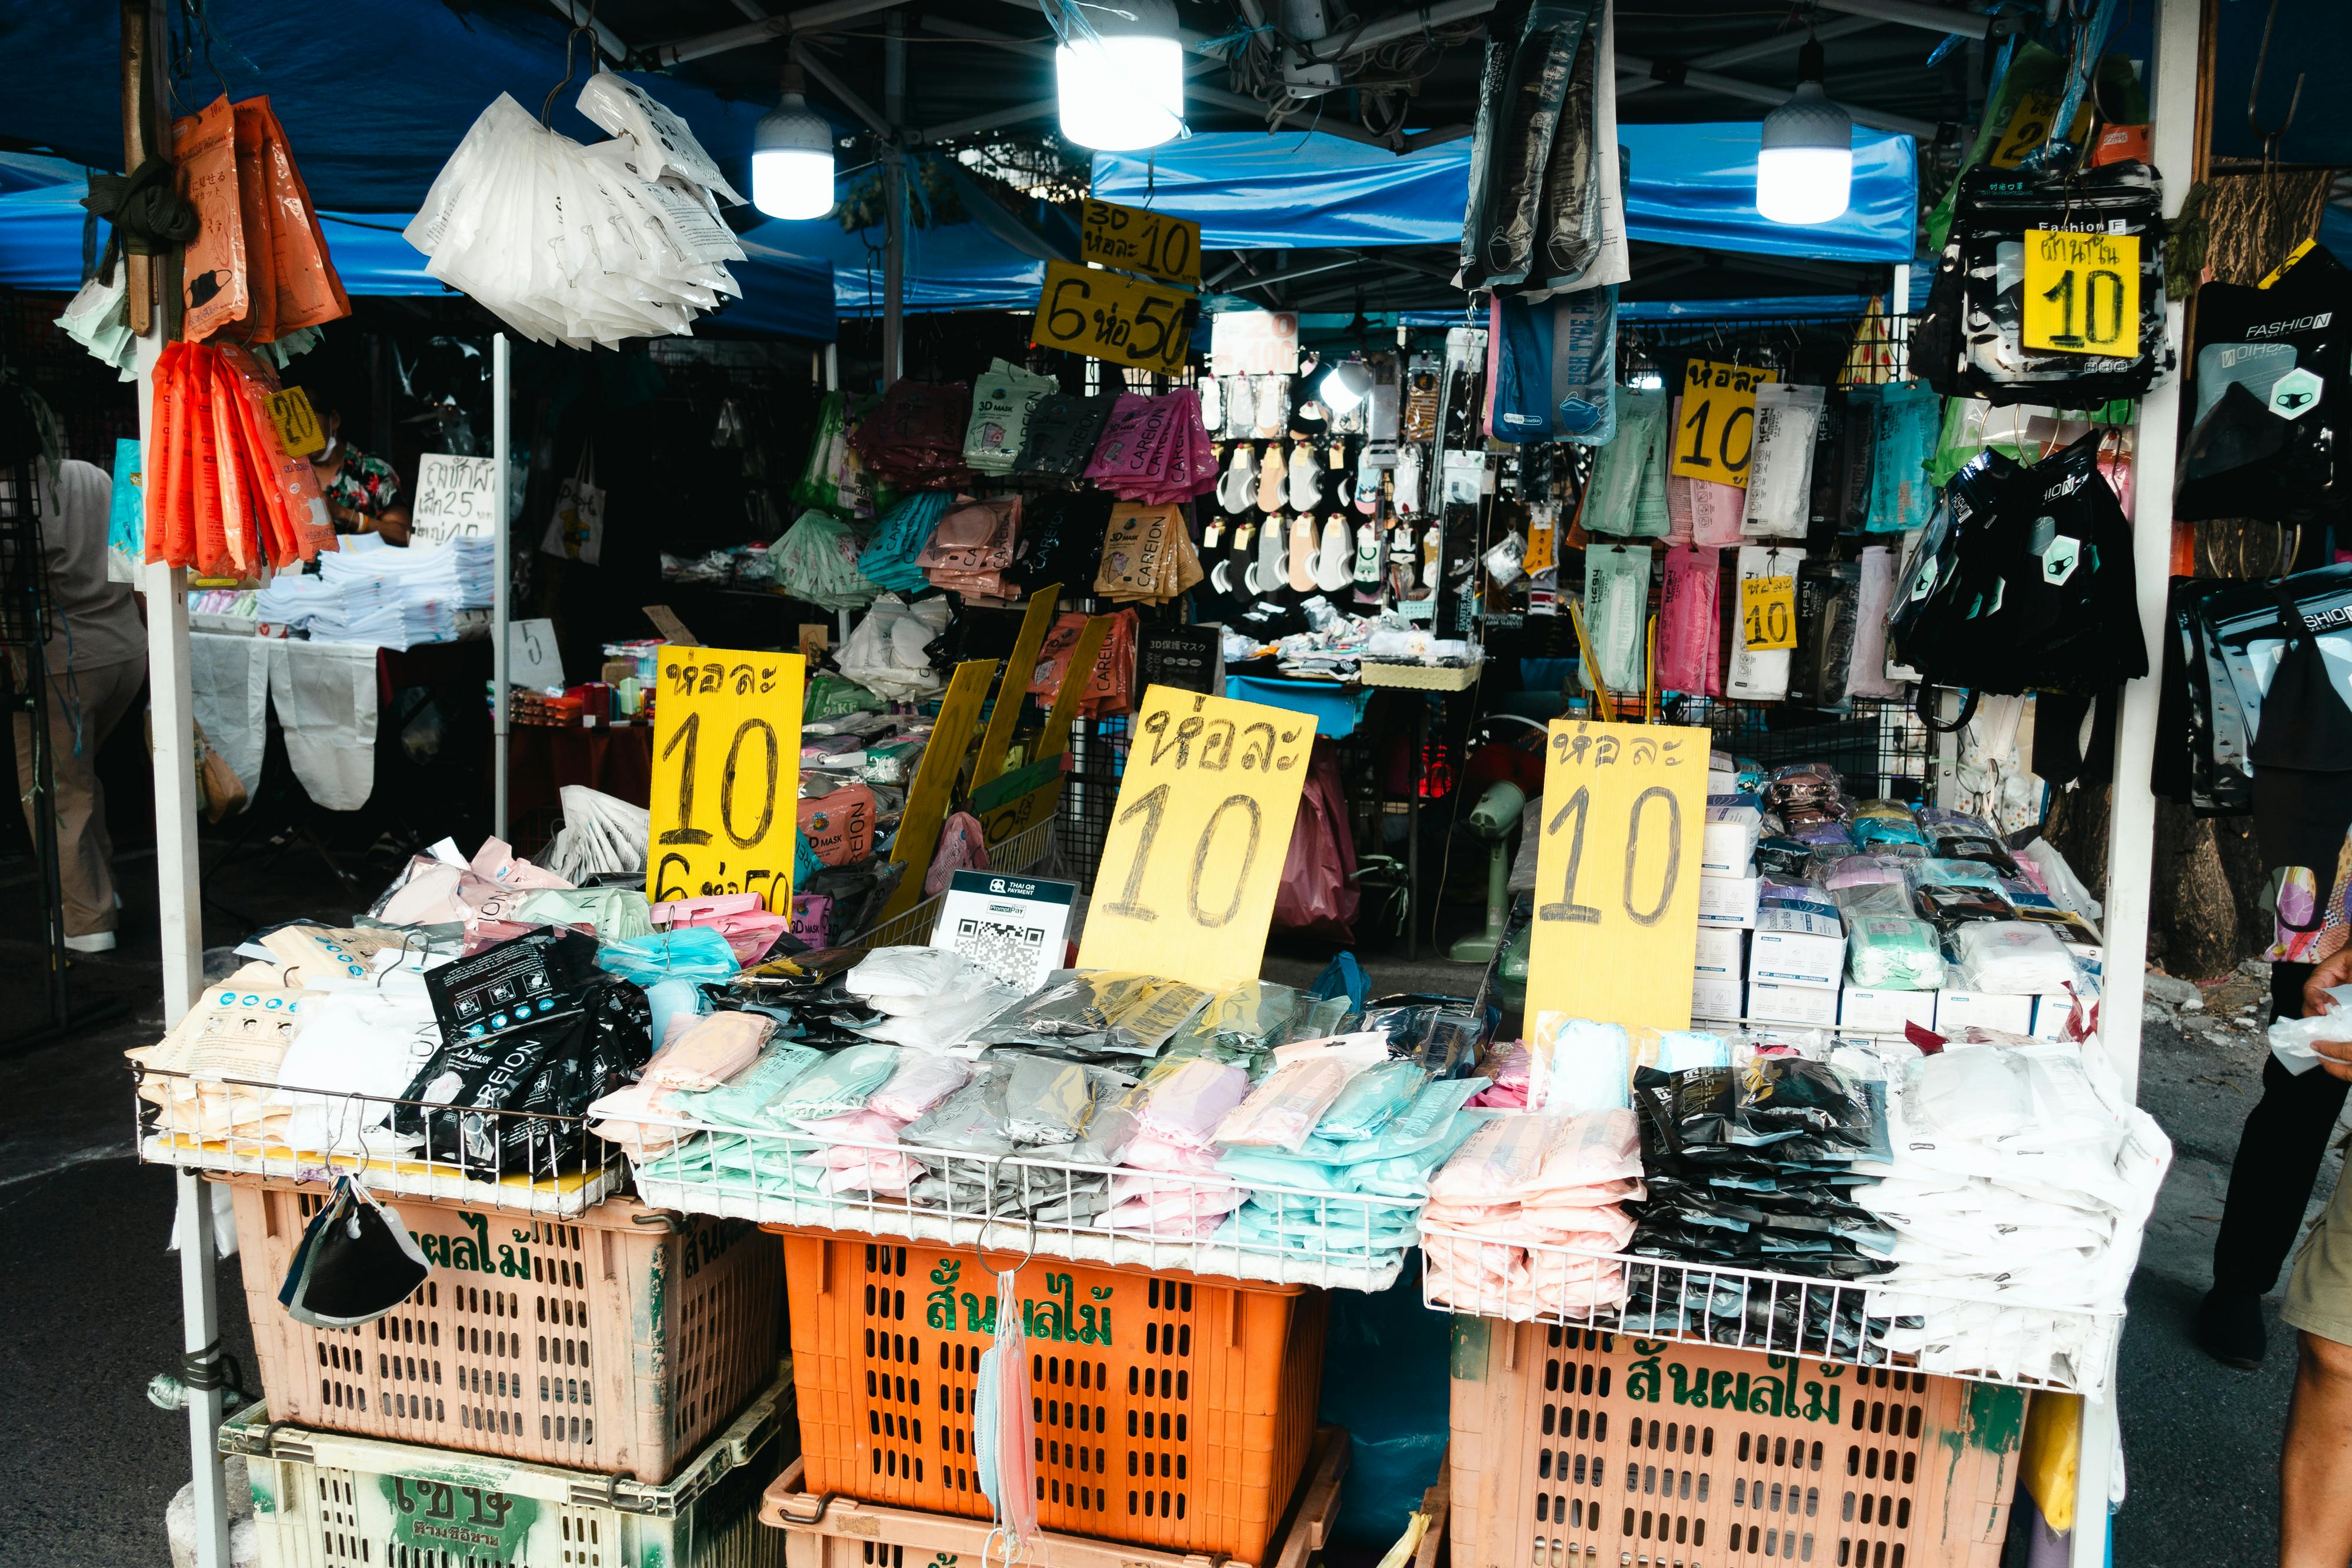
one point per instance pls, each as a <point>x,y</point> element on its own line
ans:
<point>617,913</point>
<point>742,1102</point>
<point>1616,611</point>
<point>842,1083</point>
<point>1629,474</point>
<point>1372,1098</point>
<point>1902,492</point>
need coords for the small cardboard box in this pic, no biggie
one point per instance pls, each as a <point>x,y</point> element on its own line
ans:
<point>1774,1004</point>
<point>1722,951</point>
<point>1957,1009</point>
<point>2051,1012</point>
<point>1870,1011</point>
<point>1728,900</point>
<point>1728,847</point>
<point>1796,946</point>
<point>1715,996</point>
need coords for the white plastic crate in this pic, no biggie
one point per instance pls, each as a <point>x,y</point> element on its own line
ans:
<point>323,1500</point>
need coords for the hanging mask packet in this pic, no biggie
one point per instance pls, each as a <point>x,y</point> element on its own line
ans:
<point>355,1263</point>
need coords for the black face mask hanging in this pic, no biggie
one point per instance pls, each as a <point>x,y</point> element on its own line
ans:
<point>2305,724</point>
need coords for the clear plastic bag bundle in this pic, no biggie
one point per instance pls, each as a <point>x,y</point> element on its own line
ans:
<point>817,561</point>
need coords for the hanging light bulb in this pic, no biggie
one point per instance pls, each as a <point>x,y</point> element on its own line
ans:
<point>1804,170</point>
<point>1346,384</point>
<point>1120,75</point>
<point>792,155</point>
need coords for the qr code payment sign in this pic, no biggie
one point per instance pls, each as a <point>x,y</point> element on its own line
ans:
<point>1008,951</point>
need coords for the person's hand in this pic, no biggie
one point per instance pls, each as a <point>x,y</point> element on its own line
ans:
<point>2336,970</point>
<point>353,519</point>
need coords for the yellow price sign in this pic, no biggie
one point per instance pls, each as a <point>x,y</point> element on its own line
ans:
<point>1134,239</point>
<point>2082,292</point>
<point>1194,853</point>
<point>1768,612</point>
<point>2028,128</point>
<point>296,423</point>
<point>1624,810</point>
<point>1717,437</point>
<point>726,775</point>
<point>1108,316</point>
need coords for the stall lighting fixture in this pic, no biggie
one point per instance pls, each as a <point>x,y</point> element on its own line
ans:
<point>1804,170</point>
<point>792,156</point>
<point>1120,71</point>
<point>1345,384</point>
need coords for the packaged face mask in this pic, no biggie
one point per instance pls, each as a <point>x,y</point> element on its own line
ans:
<point>1616,612</point>
<point>1372,1100</point>
<point>1781,470</point>
<point>1284,1109</point>
<point>840,1084</point>
<point>1576,1065</point>
<point>356,1263</point>
<point>1002,400</point>
<point>1628,488</point>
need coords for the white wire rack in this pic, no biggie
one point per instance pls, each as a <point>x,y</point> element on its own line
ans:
<point>1986,1339</point>
<point>525,1162</point>
<point>1025,852</point>
<point>1044,1209</point>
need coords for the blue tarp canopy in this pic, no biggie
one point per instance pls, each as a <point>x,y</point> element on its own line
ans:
<point>1693,184</point>
<point>970,266</point>
<point>41,249</point>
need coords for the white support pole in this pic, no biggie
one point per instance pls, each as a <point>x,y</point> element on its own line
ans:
<point>894,197</point>
<point>199,1335</point>
<point>501,589</point>
<point>2131,819</point>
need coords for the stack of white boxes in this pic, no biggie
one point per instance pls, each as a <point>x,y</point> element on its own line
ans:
<point>1727,887</point>
<point>1796,962</point>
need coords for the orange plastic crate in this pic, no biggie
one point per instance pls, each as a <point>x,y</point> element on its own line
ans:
<point>1572,1447</point>
<point>618,1341</point>
<point>1172,1411</point>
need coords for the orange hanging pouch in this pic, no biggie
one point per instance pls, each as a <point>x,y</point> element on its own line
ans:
<point>260,323</point>
<point>309,293</point>
<point>217,286</point>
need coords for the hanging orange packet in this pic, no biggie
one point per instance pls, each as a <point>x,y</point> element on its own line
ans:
<point>260,322</point>
<point>217,287</point>
<point>242,500</point>
<point>309,293</point>
<point>161,459</point>
<point>293,483</point>
<point>213,557</point>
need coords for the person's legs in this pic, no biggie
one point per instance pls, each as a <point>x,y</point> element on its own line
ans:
<point>2315,1466</point>
<point>2278,1159</point>
<point>83,708</point>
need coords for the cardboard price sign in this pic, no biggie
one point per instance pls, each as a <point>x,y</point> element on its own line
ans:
<point>1194,853</point>
<point>1624,810</point>
<point>1718,433</point>
<point>457,498</point>
<point>2082,292</point>
<point>1105,316</point>
<point>296,423</point>
<point>1768,612</point>
<point>1135,240</point>
<point>726,775</point>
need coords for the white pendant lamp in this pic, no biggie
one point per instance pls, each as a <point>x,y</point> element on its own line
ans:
<point>792,156</point>
<point>1345,386</point>
<point>1804,170</point>
<point>1120,70</point>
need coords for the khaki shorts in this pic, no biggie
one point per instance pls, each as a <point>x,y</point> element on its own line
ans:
<point>2319,1291</point>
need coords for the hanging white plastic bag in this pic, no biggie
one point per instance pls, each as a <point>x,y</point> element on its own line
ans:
<point>576,532</point>
<point>621,107</point>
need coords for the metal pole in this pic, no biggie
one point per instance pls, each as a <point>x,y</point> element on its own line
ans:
<point>501,590</point>
<point>894,197</point>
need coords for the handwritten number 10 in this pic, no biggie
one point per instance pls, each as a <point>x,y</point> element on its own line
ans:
<point>1152,806</point>
<point>1581,804</point>
<point>688,734</point>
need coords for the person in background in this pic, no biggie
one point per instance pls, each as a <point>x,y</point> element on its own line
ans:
<point>2314,1500</point>
<point>97,663</point>
<point>362,493</point>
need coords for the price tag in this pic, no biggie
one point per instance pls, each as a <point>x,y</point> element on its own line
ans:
<point>1105,316</point>
<point>1135,240</point>
<point>1624,809</point>
<point>1718,433</point>
<point>726,775</point>
<point>531,656</point>
<point>1768,612</point>
<point>457,498</point>
<point>2082,292</point>
<point>1194,853</point>
<point>1257,342</point>
<point>2028,128</point>
<point>296,423</point>
<point>1543,531</point>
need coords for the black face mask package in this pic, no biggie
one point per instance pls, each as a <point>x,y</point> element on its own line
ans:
<point>2267,442</point>
<point>1533,221</point>
<point>531,1030</point>
<point>356,1262</point>
<point>2023,582</point>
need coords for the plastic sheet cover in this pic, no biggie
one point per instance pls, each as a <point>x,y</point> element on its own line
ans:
<point>1691,185</point>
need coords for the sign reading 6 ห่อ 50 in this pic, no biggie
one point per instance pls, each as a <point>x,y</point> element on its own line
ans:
<point>1194,853</point>
<point>1624,809</point>
<point>1107,316</point>
<point>726,775</point>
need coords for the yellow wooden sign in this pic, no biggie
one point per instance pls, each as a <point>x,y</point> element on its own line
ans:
<point>2082,292</point>
<point>1024,812</point>
<point>1194,853</point>
<point>726,775</point>
<point>1109,316</point>
<point>1135,240</point>
<point>997,738</point>
<point>935,780</point>
<point>1616,928</point>
<point>1768,612</point>
<point>296,423</point>
<point>1716,437</point>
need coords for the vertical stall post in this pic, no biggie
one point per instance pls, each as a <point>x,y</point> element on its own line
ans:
<point>502,588</point>
<point>145,39</point>
<point>894,199</point>
<point>2131,821</point>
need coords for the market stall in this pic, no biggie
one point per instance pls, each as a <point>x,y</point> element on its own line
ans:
<point>1769,1013</point>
